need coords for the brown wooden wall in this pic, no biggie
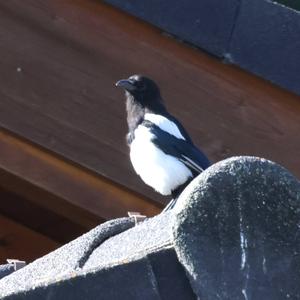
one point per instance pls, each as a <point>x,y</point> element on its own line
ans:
<point>62,145</point>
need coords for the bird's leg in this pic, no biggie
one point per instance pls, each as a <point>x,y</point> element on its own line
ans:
<point>170,205</point>
<point>175,194</point>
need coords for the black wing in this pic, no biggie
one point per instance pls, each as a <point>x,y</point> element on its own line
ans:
<point>184,150</point>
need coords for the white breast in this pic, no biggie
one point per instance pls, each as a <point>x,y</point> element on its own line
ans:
<point>164,124</point>
<point>162,172</point>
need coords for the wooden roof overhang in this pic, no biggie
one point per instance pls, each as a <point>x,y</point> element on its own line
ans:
<point>62,145</point>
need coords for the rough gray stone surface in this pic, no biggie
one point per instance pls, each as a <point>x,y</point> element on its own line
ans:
<point>234,231</point>
<point>157,275</point>
<point>6,270</point>
<point>261,29</point>
<point>206,23</point>
<point>62,261</point>
<point>131,281</point>
<point>237,231</point>
<point>151,235</point>
<point>101,248</point>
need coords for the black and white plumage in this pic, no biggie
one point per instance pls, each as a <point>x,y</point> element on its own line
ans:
<point>161,151</point>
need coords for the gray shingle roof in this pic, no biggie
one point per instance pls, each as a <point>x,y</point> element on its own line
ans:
<point>234,234</point>
<point>6,269</point>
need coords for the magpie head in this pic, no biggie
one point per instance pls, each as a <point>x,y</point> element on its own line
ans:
<point>142,89</point>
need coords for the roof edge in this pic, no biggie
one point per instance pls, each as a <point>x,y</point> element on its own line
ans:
<point>225,32</point>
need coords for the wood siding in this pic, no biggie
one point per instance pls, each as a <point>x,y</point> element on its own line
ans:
<point>62,143</point>
<point>17,241</point>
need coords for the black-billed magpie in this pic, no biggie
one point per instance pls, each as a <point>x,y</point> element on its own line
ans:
<point>161,151</point>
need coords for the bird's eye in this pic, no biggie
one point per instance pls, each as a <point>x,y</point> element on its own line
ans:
<point>140,85</point>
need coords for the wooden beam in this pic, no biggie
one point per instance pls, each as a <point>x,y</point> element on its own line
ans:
<point>62,187</point>
<point>58,91</point>
<point>17,241</point>
<point>42,220</point>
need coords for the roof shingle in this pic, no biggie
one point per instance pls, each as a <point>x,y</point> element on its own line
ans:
<point>232,235</point>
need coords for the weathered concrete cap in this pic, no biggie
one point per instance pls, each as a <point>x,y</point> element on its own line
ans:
<point>62,262</point>
<point>116,260</point>
<point>6,270</point>
<point>237,231</point>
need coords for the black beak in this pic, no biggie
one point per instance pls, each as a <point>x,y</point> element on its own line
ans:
<point>125,84</point>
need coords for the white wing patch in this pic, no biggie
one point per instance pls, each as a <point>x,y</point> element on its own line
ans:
<point>161,171</point>
<point>164,124</point>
